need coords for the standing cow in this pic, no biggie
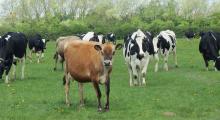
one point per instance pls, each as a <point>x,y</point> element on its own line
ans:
<point>190,34</point>
<point>165,43</point>
<point>111,37</point>
<point>60,43</point>
<point>92,36</point>
<point>89,62</point>
<point>209,48</point>
<point>137,51</point>
<point>12,48</point>
<point>37,45</point>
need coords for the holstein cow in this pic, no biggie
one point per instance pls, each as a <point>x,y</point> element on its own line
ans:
<point>12,48</point>
<point>37,45</point>
<point>111,37</point>
<point>165,43</point>
<point>137,50</point>
<point>190,34</point>
<point>89,62</point>
<point>92,36</point>
<point>209,48</point>
<point>60,43</point>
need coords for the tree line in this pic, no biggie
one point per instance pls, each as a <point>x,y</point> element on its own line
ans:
<point>54,18</point>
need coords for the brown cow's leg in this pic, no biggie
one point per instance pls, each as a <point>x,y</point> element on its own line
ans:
<point>107,90</point>
<point>67,87</point>
<point>98,93</point>
<point>81,94</point>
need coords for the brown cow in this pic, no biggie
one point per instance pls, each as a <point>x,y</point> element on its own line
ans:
<point>60,42</point>
<point>89,62</point>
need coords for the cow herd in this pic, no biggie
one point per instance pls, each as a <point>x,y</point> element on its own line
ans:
<point>88,57</point>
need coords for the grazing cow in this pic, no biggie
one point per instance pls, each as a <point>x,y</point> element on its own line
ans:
<point>92,36</point>
<point>137,51</point>
<point>89,62</point>
<point>209,48</point>
<point>111,37</point>
<point>12,48</point>
<point>60,42</point>
<point>190,34</point>
<point>165,43</point>
<point>37,45</point>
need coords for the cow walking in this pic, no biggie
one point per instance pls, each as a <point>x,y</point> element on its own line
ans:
<point>92,36</point>
<point>89,62</point>
<point>165,43</point>
<point>137,51</point>
<point>12,48</point>
<point>37,45</point>
<point>111,37</point>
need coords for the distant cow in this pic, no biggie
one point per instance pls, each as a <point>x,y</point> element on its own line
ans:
<point>12,48</point>
<point>89,62</point>
<point>60,43</point>
<point>37,45</point>
<point>111,37</point>
<point>209,48</point>
<point>165,43</point>
<point>92,36</point>
<point>137,50</point>
<point>190,34</point>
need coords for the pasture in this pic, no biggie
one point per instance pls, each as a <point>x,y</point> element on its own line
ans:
<point>185,93</point>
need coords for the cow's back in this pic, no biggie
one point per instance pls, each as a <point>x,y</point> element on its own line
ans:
<point>61,41</point>
<point>83,62</point>
<point>17,44</point>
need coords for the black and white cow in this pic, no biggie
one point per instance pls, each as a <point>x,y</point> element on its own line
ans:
<point>111,37</point>
<point>12,48</point>
<point>37,45</point>
<point>92,36</point>
<point>190,34</point>
<point>137,51</point>
<point>209,48</point>
<point>165,43</point>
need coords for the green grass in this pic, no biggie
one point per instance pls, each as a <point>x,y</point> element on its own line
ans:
<point>187,93</point>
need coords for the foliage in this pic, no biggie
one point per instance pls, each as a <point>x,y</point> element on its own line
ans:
<point>68,17</point>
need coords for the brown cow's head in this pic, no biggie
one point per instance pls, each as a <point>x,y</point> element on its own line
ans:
<point>107,51</point>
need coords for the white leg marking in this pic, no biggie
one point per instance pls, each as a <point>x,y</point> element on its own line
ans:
<point>166,55</point>
<point>14,71</point>
<point>22,68</point>
<point>6,79</point>
<point>42,55</point>
<point>175,57</point>
<point>144,71</point>
<point>156,56</point>
<point>135,74</point>
<point>131,75</point>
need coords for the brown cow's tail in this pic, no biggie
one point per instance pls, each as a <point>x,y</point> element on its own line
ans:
<point>64,80</point>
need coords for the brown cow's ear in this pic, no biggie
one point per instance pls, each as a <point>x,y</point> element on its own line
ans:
<point>118,46</point>
<point>98,47</point>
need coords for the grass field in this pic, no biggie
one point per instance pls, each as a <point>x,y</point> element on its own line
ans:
<point>185,93</point>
